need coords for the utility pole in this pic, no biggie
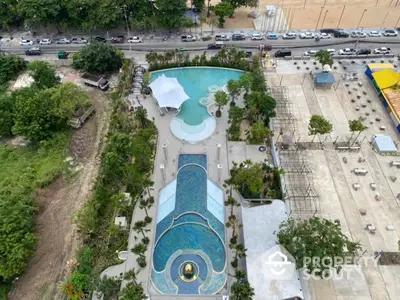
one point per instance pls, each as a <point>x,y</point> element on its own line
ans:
<point>362,16</point>
<point>319,18</point>
<point>341,16</point>
<point>323,21</point>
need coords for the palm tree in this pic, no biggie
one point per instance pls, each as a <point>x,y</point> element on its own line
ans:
<point>139,249</point>
<point>233,223</point>
<point>232,202</point>
<point>131,275</point>
<point>240,252</point>
<point>242,290</point>
<point>239,274</point>
<point>234,88</point>
<point>133,291</point>
<point>221,99</point>
<point>212,21</point>
<point>139,227</point>
<point>145,204</point>
<point>147,184</point>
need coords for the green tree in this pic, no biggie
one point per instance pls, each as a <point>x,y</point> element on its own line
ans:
<point>259,132</point>
<point>108,288</point>
<point>6,115</point>
<point>234,224</point>
<point>43,74</point>
<point>247,178</point>
<point>40,12</point>
<point>319,125</point>
<point>242,290</point>
<point>221,99</point>
<point>10,66</point>
<point>234,88</point>
<point>198,4</point>
<point>264,106</point>
<point>240,252</point>
<point>170,13</point>
<point>139,249</point>
<point>212,21</point>
<point>246,81</point>
<point>258,83</point>
<point>324,58</point>
<point>239,3</point>
<point>146,204</point>
<point>140,115</point>
<point>8,14</point>
<point>232,202</point>
<point>97,58</point>
<point>222,10</point>
<point>133,291</point>
<point>17,242</point>
<point>139,226</point>
<point>356,126</point>
<point>316,238</point>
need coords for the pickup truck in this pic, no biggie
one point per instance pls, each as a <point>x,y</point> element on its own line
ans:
<point>81,114</point>
<point>96,81</point>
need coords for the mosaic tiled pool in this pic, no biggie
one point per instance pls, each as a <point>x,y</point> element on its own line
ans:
<point>189,254</point>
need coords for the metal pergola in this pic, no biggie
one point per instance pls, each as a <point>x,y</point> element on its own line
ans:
<point>294,161</point>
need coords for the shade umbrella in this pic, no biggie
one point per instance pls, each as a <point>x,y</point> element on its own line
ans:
<point>168,92</point>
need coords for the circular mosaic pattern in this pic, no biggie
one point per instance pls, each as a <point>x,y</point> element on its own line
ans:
<point>213,88</point>
<point>189,271</point>
<point>204,101</point>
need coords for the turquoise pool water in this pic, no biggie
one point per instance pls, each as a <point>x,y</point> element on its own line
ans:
<point>190,233</point>
<point>196,81</point>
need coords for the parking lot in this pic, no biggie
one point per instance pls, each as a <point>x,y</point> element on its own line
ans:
<point>333,179</point>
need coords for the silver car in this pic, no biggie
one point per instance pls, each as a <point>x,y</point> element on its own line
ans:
<point>79,41</point>
<point>45,42</point>
<point>62,41</point>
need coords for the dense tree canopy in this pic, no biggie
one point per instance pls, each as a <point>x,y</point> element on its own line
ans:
<point>98,58</point>
<point>10,66</point>
<point>170,13</point>
<point>43,74</point>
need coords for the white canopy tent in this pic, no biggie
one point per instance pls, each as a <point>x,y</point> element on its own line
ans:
<point>168,92</point>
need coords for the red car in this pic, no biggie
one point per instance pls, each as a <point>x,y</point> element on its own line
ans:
<point>117,40</point>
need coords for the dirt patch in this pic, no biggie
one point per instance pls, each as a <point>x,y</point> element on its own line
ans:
<point>57,237</point>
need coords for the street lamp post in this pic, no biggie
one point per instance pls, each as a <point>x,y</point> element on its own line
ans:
<point>384,20</point>
<point>341,16</point>
<point>319,18</point>
<point>362,16</point>
<point>398,20</point>
<point>323,20</point>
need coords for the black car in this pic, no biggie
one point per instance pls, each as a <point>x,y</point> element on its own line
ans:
<point>341,34</point>
<point>329,30</point>
<point>100,39</point>
<point>238,37</point>
<point>217,45</point>
<point>364,52</point>
<point>33,51</point>
<point>283,53</point>
<point>117,40</point>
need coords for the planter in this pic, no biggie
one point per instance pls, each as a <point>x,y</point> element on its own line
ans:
<point>218,113</point>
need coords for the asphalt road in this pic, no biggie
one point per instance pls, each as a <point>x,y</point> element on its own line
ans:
<point>298,46</point>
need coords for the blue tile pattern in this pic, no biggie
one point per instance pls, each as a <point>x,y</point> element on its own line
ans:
<point>190,233</point>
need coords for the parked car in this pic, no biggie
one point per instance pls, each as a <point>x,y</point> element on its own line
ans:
<point>374,33</point>
<point>99,39</point>
<point>307,35</point>
<point>117,40</point>
<point>79,41</point>
<point>283,53</point>
<point>341,34</point>
<point>347,51</point>
<point>33,51</point>
<point>134,39</point>
<point>184,38</point>
<point>358,34</point>
<point>324,35</point>
<point>45,42</point>
<point>238,37</point>
<point>221,37</point>
<point>329,30</point>
<point>382,50</point>
<point>291,35</point>
<point>310,53</point>
<point>62,41</point>
<point>390,32</point>
<point>272,36</point>
<point>24,42</point>
<point>364,52</point>
<point>331,51</point>
<point>256,37</point>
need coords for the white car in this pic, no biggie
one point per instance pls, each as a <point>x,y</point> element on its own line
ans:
<point>374,33</point>
<point>310,53</point>
<point>62,41</point>
<point>79,41</point>
<point>307,35</point>
<point>25,42</point>
<point>134,39</point>
<point>381,50</point>
<point>390,32</point>
<point>347,51</point>
<point>291,35</point>
<point>358,34</point>
<point>331,51</point>
<point>324,35</point>
<point>256,37</point>
<point>45,42</point>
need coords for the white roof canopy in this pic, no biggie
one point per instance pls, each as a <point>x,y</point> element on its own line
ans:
<point>168,92</point>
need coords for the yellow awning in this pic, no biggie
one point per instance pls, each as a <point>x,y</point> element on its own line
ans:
<point>380,66</point>
<point>386,78</point>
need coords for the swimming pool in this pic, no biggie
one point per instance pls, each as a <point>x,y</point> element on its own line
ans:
<point>190,230</point>
<point>193,122</point>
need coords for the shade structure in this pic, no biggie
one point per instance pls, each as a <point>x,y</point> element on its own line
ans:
<point>168,92</point>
